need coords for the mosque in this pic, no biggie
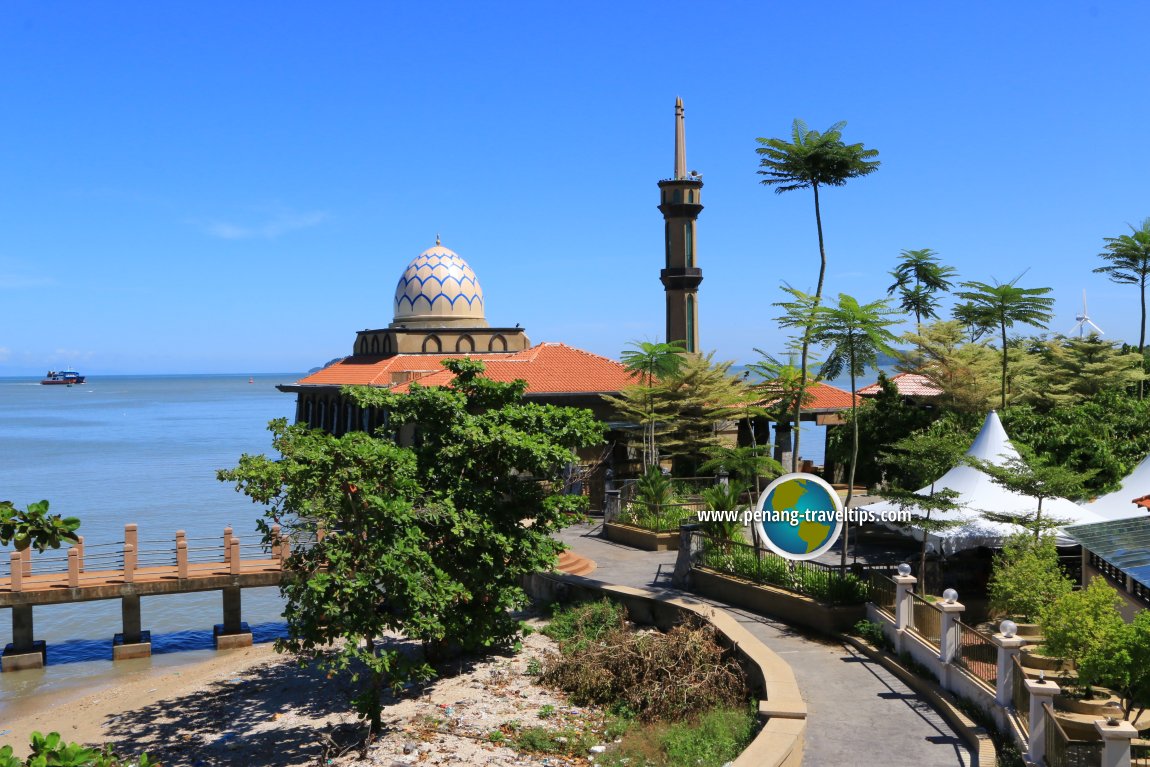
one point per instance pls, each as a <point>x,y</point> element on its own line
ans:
<point>440,312</point>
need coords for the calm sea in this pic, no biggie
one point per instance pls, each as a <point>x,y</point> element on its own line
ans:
<point>141,449</point>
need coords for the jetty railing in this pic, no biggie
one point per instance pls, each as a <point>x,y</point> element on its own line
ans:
<point>977,653</point>
<point>83,563</point>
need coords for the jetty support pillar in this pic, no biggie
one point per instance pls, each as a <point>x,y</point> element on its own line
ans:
<point>23,652</point>
<point>233,632</point>
<point>133,642</point>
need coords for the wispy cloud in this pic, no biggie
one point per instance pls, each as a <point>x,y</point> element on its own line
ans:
<point>23,281</point>
<point>268,230</point>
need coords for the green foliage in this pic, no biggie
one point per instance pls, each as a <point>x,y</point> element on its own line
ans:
<point>882,421</point>
<point>1128,263</point>
<point>580,624</point>
<point>1069,371</point>
<point>430,541</point>
<point>565,742</point>
<point>917,278</point>
<point>744,464</point>
<point>1078,623</point>
<point>34,527</point>
<point>725,498</point>
<point>1026,577</point>
<point>1120,660</point>
<point>825,585</point>
<point>1101,439</point>
<point>52,750</point>
<point>656,505</point>
<point>650,362</point>
<point>1002,306</point>
<point>965,371</point>
<point>873,633</point>
<point>1037,478</point>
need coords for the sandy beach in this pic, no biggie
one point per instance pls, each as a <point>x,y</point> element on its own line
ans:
<point>255,707</point>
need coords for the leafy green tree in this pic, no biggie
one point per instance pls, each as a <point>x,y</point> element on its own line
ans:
<point>692,403</point>
<point>1128,263</point>
<point>52,750</point>
<point>783,391</point>
<point>1078,622</point>
<point>963,370</point>
<point>745,464</point>
<point>854,335</point>
<point>1026,577</point>
<point>1121,662</point>
<point>811,160</point>
<point>1037,478</point>
<point>882,420</point>
<point>725,498</point>
<point>923,458</point>
<point>1003,306</point>
<point>1072,370</point>
<point>918,278</point>
<point>430,540</point>
<point>969,315</point>
<point>1102,438</point>
<point>651,362</point>
<point>35,528</point>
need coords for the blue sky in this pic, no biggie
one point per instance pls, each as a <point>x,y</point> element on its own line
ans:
<point>236,187</point>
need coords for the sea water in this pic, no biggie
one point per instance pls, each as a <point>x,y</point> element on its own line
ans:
<point>142,449</point>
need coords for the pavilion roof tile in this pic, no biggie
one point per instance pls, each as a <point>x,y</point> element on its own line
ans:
<point>908,384</point>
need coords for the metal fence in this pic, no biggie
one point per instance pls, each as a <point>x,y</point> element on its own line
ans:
<point>926,620</point>
<point>660,517</point>
<point>1020,696</point>
<point>1140,753</point>
<point>977,653</point>
<point>1061,751</point>
<point>882,592</point>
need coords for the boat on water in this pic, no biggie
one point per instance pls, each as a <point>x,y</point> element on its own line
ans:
<point>62,378</point>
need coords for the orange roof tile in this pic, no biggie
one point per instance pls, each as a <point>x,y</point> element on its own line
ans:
<point>548,368</point>
<point>827,397</point>
<point>908,384</point>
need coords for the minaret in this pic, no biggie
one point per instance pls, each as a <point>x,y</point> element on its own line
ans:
<point>680,203</point>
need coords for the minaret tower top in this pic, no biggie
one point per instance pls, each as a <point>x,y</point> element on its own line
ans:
<point>680,200</point>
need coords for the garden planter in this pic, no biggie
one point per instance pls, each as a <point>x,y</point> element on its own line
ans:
<point>1031,659</point>
<point>641,538</point>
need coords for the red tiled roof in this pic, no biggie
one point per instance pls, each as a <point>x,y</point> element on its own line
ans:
<point>548,368</point>
<point>1144,501</point>
<point>908,384</point>
<point>827,397</point>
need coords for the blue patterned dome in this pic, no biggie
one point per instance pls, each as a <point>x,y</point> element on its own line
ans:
<point>438,286</point>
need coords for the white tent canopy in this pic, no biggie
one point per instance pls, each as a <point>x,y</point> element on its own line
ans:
<point>978,493</point>
<point>1120,503</point>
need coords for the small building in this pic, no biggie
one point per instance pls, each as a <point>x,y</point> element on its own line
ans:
<point>912,386</point>
<point>1118,551</point>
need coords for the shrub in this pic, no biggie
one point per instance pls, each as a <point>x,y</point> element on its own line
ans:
<point>658,676</point>
<point>709,740</point>
<point>579,625</point>
<point>873,633</point>
<point>1026,577</point>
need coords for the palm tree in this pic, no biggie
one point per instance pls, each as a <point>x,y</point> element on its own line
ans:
<point>1129,264</point>
<point>812,159</point>
<point>1004,305</point>
<point>781,387</point>
<point>648,362</point>
<point>917,278</point>
<point>854,335</point>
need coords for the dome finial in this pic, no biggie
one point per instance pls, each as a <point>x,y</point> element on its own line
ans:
<point>437,238</point>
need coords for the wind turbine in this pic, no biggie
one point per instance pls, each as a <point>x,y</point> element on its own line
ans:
<point>1084,320</point>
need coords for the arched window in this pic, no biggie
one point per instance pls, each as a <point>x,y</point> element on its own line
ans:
<point>691,196</point>
<point>667,243</point>
<point>689,243</point>
<point>678,196</point>
<point>690,323</point>
<point>375,344</point>
<point>432,345</point>
<point>465,344</point>
<point>497,344</point>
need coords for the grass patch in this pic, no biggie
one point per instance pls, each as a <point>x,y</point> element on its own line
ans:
<point>710,740</point>
<point>578,626</point>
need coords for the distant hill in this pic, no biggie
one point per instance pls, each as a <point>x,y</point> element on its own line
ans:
<point>327,364</point>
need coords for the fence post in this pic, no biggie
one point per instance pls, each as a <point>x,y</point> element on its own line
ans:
<point>681,576</point>
<point>948,639</point>
<point>80,551</point>
<point>73,568</point>
<point>1116,742</point>
<point>611,505</point>
<point>903,607</point>
<point>26,562</point>
<point>234,556</point>
<point>131,542</point>
<point>228,544</point>
<point>1041,692</point>
<point>16,570</point>
<point>181,555</point>
<point>1007,648</point>
<point>129,556</point>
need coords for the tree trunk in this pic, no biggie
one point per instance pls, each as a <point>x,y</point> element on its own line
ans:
<point>1141,344</point>
<point>922,556</point>
<point>807,331</point>
<point>1003,366</point>
<point>1038,521</point>
<point>854,460</point>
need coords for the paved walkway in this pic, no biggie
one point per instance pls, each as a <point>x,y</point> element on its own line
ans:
<point>859,714</point>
